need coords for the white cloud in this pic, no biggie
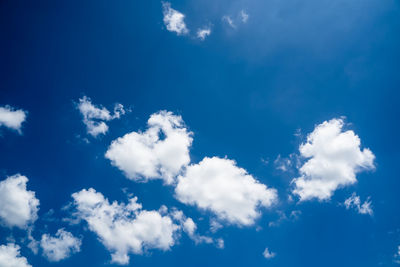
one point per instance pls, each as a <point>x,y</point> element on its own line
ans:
<point>334,158</point>
<point>61,246</point>
<point>244,16</point>
<point>397,256</point>
<point>12,118</point>
<point>150,155</point>
<point>229,21</point>
<point>10,256</point>
<point>228,191</point>
<point>203,33</point>
<point>354,202</point>
<point>174,20</point>
<point>190,228</point>
<point>268,254</point>
<point>18,207</point>
<point>124,228</point>
<point>94,117</point>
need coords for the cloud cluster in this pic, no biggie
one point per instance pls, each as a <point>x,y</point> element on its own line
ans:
<point>94,117</point>
<point>214,184</point>
<point>124,228</point>
<point>218,185</point>
<point>10,256</point>
<point>354,202</point>
<point>18,206</point>
<point>12,118</point>
<point>174,20</point>
<point>60,246</point>
<point>334,158</point>
<point>158,153</point>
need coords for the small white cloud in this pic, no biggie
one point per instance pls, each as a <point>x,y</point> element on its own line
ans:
<point>228,191</point>
<point>396,258</point>
<point>220,243</point>
<point>174,20</point>
<point>94,117</point>
<point>203,33</point>
<point>229,21</point>
<point>244,16</point>
<point>124,228</point>
<point>354,202</point>
<point>12,118</point>
<point>282,164</point>
<point>190,228</point>
<point>10,256</point>
<point>334,158</point>
<point>268,254</point>
<point>18,206</point>
<point>215,225</point>
<point>61,246</point>
<point>158,153</point>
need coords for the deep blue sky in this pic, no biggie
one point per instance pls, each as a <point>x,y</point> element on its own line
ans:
<point>243,92</point>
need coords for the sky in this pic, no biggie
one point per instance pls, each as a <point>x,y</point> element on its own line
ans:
<point>199,133</point>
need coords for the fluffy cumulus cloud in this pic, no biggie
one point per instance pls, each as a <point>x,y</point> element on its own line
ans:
<point>203,33</point>
<point>60,246</point>
<point>268,254</point>
<point>124,228</point>
<point>333,158</point>
<point>10,256</point>
<point>12,118</point>
<point>94,117</point>
<point>158,153</point>
<point>174,20</point>
<point>18,206</point>
<point>354,202</point>
<point>218,185</point>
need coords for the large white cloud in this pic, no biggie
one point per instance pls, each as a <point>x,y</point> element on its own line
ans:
<point>228,191</point>
<point>12,118</point>
<point>174,20</point>
<point>158,153</point>
<point>94,117</point>
<point>18,206</point>
<point>334,159</point>
<point>60,246</point>
<point>124,228</point>
<point>10,256</point>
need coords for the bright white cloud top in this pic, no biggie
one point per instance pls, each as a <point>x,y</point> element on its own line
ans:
<point>94,117</point>
<point>218,185</point>
<point>174,20</point>
<point>18,206</point>
<point>60,246</point>
<point>12,118</point>
<point>124,228</point>
<point>203,33</point>
<point>150,155</point>
<point>354,202</point>
<point>10,256</point>
<point>334,159</point>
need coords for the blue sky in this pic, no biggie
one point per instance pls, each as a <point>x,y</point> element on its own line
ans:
<point>240,127</point>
